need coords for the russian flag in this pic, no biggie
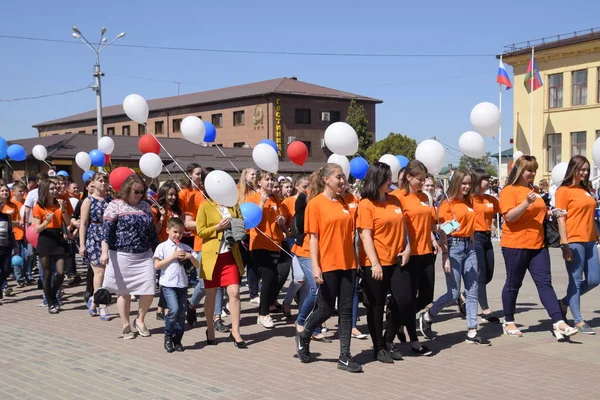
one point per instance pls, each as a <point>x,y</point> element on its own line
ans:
<point>503,78</point>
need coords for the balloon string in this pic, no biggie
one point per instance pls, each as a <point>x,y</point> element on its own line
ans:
<point>274,242</point>
<point>171,175</point>
<point>49,166</point>
<point>13,170</point>
<point>228,159</point>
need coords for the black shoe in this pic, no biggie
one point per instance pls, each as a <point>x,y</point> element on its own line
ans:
<point>302,348</point>
<point>53,310</point>
<point>220,326</point>
<point>393,351</point>
<point>239,345</point>
<point>347,363</point>
<point>401,336</point>
<point>425,327</point>
<point>160,316</point>
<point>179,348</point>
<point>276,309</point>
<point>462,307</point>
<point>191,315</point>
<point>86,297</point>
<point>169,346</point>
<point>422,351</point>
<point>491,318</point>
<point>75,280</point>
<point>478,340</point>
<point>382,356</point>
<point>21,284</point>
<point>210,342</point>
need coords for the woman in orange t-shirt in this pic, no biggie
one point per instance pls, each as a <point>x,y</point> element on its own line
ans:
<point>265,242</point>
<point>578,237</point>
<point>522,242</point>
<point>49,216</point>
<point>330,228</point>
<point>245,189</point>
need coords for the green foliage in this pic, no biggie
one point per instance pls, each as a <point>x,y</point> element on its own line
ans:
<point>395,144</point>
<point>357,118</point>
<point>484,163</point>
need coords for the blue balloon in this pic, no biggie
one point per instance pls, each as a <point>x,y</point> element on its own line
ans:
<point>97,158</point>
<point>17,261</point>
<point>3,147</point>
<point>88,175</point>
<point>210,132</point>
<point>16,152</point>
<point>62,173</point>
<point>270,143</point>
<point>252,214</point>
<point>403,161</point>
<point>359,167</point>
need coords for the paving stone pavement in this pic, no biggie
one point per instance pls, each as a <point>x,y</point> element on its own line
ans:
<point>74,356</point>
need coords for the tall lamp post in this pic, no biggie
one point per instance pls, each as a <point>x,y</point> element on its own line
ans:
<point>102,45</point>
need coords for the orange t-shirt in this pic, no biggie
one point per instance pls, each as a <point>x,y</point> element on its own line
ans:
<point>40,213</point>
<point>527,232</point>
<point>162,235</point>
<point>352,202</point>
<point>191,208</point>
<point>269,225</point>
<point>386,222</point>
<point>420,218</point>
<point>289,208</point>
<point>68,205</point>
<point>333,222</point>
<point>485,207</point>
<point>13,209</point>
<point>464,214</point>
<point>580,207</point>
<point>183,196</point>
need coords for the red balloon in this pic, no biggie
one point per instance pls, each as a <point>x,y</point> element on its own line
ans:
<point>106,159</point>
<point>297,152</point>
<point>148,144</point>
<point>118,176</point>
<point>32,236</point>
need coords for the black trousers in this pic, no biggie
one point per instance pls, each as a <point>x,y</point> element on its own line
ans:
<point>5,264</point>
<point>339,285</point>
<point>267,262</point>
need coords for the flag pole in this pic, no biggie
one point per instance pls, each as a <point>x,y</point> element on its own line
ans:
<point>500,130</point>
<point>533,74</point>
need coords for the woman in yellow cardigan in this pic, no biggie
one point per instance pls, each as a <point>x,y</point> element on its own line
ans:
<point>221,265</point>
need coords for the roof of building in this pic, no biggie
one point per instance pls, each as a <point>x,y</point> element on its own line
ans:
<point>284,86</point>
<point>505,153</point>
<point>552,42</point>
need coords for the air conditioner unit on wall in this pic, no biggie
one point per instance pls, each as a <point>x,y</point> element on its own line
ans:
<point>291,139</point>
<point>325,116</point>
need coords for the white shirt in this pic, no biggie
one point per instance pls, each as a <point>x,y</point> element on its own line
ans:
<point>173,275</point>
<point>30,200</point>
<point>225,248</point>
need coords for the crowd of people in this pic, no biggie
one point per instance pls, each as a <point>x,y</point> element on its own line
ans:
<point>377,242</point>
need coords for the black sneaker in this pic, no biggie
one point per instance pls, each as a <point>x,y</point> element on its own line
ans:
<point>401,336</point>
<point>53,310</point>
<point>462,307</point>
<point>422,351</point>
<point>347,363</point>
<point>393,351</point>
<point>169,346</point>
<point>491,318</point>
<point>302,348</point>
<point>75,280</point>
<point>382,356</point>
<point>179,348</point>
<point>191,315</point>
<point>220,326</point>
<point>425,327</point>
<point>7,291</point>
<point>21,284</point>
<point>160,316</point>
<point>478,340</point>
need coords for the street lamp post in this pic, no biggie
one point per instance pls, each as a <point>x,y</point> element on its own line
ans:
<point>97,73</point>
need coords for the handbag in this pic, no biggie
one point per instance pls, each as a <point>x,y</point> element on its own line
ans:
<point>551,234</point>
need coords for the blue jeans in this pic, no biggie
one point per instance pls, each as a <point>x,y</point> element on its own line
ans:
<point>309,303</point>
<point>176,299</point>
<point>585,262</point>
<point>463,264</point>
<point>24,272</point>
<point>199,292</point>
<point>297,284</point>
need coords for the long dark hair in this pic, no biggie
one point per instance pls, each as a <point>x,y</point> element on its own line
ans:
<point>377,174</point>
<point>575,164</point>
<point>43,191</point>
<point>478,175</point>
<point>163,192</point>
<point>185,181</point>
<point>456,182</point>
<point>203,175</point>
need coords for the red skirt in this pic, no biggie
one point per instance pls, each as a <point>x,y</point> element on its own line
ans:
<point>225,273</point>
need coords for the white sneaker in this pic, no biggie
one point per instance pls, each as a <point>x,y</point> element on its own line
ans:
<point>255,300</point>
<point>266,321</point>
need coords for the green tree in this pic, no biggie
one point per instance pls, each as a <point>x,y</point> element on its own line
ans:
<point>395,143</point>
<point>484,163</point>
<point>357,118</point>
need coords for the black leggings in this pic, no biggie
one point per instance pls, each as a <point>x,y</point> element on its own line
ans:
<point>51,282</point>
<point>338,284</point>
<point>424,268</point>
<point>267,261</point>
<point>5,264</point>
<point>89,280</point>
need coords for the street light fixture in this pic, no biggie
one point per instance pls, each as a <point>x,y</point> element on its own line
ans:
<point>97,73</point>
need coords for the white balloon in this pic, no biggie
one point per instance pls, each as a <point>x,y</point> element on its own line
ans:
<point>83,160</point>
<point>596,152</point>
<point>432,154</point>
<point>136,108</point>
<point>192,129</point>
<point>221,187</point>
<point>342,161</point>
<point>39,152</point>
<point>52,173</point>
<point>265,157</point>
<point>106,145</point>
<point>517,154</point>
<point>151,165</point>
<point>486,119</point>
<point>558,173</point>
<point>394,164</point>
<point>471,144</point>
<point>341,138</point>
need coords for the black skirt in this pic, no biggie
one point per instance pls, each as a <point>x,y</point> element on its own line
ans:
<point>51,242</point>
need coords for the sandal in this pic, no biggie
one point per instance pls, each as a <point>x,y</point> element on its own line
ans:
<point>511,332</point>
<point>561,334</point>
<point>92,312</point>
<point>104,314</point>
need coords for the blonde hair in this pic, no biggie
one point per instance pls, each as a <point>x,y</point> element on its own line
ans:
<point>524,163</point>
<point>414,168</point>
<point>243,188</point>
<point>317,184</point>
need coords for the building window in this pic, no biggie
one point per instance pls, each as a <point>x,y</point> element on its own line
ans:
<point>141,129</point>
<point>158,127</point>
<point>81,132</point>
<point>554,150</point>
<point>177,125</point>
<point>555,90</point>
<point>110,131</point>
<point>335,116</point>
<point>303,116</point>
<point>578,144</point>
<point>598,134</point>
<point>200,116</point>
<point>239,144</point>
<point>307,143</point>
<point>239,118</point>
<point>125,130</point>
<point>598,85</point>
<point>217,120</point>
<point>580,87</point>
<point>94,131</point>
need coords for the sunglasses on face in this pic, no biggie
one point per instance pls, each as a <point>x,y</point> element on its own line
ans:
<point>137,192</point>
